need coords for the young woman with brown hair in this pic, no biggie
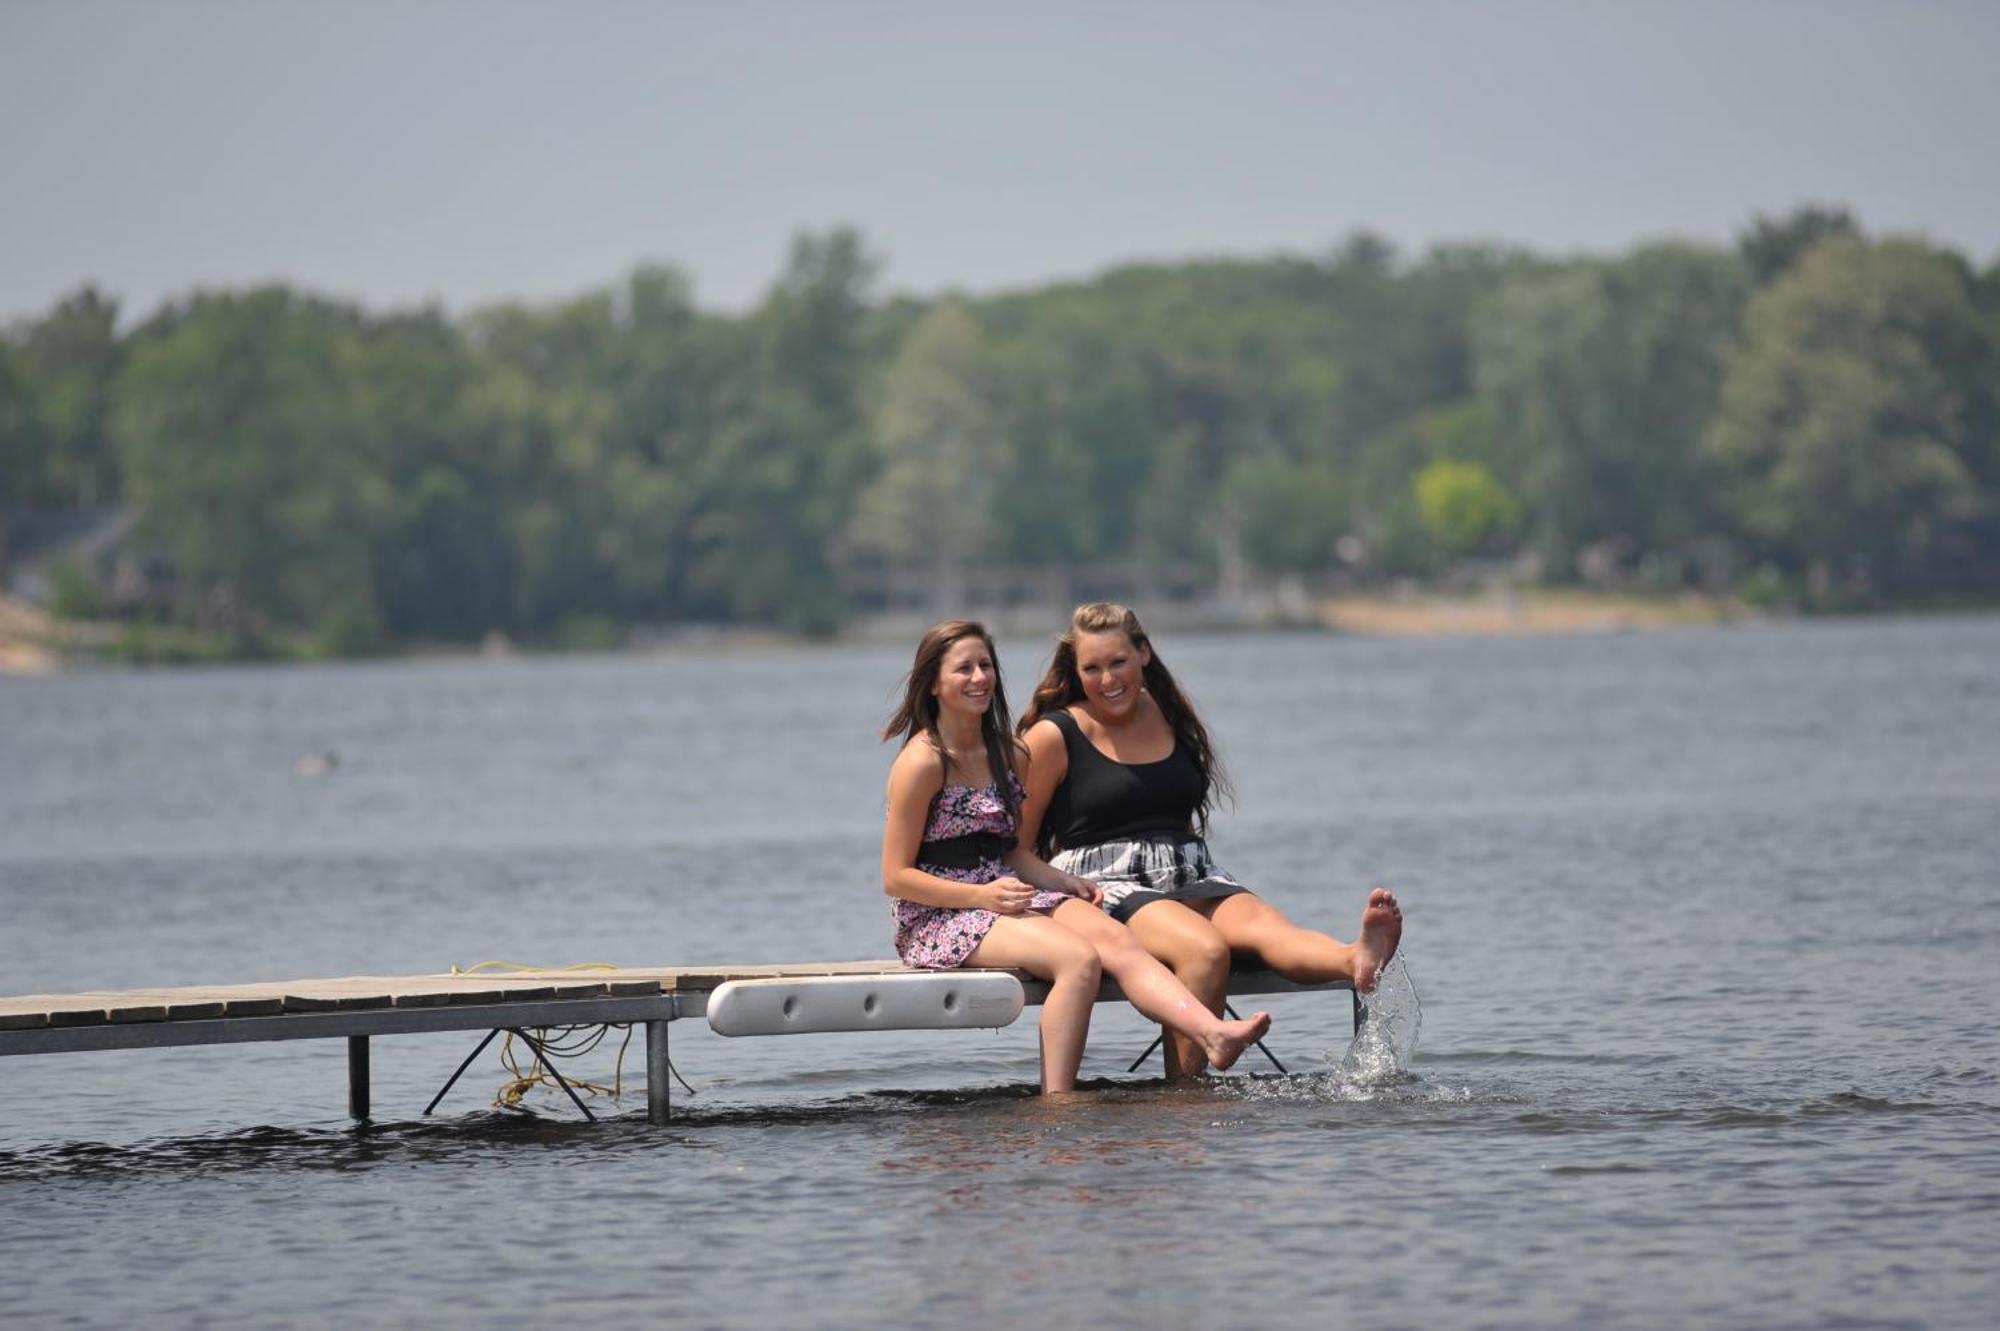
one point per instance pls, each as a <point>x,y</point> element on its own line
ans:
<point>1121,779</point>
<point>967,893</point>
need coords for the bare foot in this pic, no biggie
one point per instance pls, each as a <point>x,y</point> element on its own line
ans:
<point>1381,930</point>
<point>1231,1038</point>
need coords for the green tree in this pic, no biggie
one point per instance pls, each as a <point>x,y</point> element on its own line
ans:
<point>21,462</point>
<point>1604,375</point>
<point>782,469</point>
<point>668,360</point>
<point>1846,422</point>
<point>1076,407</point>
<point>72,355</point>
<point>239,445</point>
<point>1771,245</point>
<point>439,562</point>
<point>543,404</point>
<point>1289,514</point>
<point>1464,507</point>
<point>942,454</point>
<point>1401,339</point>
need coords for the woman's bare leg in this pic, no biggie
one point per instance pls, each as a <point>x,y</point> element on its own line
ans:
<point>1194,950</point>
<point>1045,949</point>
<point>1252,924</point>
<point>1154,990</point>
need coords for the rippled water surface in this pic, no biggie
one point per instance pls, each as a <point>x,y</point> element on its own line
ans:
<point>1703,927</point>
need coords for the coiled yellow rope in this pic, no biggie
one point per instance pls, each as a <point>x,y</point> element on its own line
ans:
<point>556,1042</point>
<point>560,1042</point>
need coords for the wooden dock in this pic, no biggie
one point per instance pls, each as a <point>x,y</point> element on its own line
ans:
<point>844,995</point>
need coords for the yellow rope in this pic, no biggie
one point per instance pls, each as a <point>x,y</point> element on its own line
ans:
<point>509,1095</point>
<point>565,1044</point>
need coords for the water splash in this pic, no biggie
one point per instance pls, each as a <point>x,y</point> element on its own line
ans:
<point>1375,1068</point>
<point>1380,1053</point>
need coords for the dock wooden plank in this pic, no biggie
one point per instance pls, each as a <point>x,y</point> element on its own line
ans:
<point>92,1007</point>
<point>254,1006</point>
<point>320,1002</point>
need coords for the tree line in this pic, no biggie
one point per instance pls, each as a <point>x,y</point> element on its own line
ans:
<point>1812,412</point>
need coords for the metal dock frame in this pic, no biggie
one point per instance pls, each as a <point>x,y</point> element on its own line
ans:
<point>360,1009</point>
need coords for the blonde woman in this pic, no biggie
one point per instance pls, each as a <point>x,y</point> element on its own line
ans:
<point>1121,779</point>
<point>968,893</point>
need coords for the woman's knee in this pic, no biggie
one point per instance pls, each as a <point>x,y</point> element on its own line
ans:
<point>1189,951</point>
<point>1072,957</point>
<point>1118,950</point>
<point>1204,953</point>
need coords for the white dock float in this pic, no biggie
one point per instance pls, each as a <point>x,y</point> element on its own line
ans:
<point>805,998</point>
<point>921,1001</point>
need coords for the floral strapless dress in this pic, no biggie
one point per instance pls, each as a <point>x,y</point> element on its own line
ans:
<point>940,937</point>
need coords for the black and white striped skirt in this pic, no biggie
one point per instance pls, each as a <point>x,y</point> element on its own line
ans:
<point>1137,873</point>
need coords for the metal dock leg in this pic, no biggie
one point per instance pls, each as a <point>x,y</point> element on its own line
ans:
<point>357,1078</point>
<point>659,1094</point>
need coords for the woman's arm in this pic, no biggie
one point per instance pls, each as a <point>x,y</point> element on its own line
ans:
<point>1046,762</point>
<point>914,781</point>
<point>1033,869</point>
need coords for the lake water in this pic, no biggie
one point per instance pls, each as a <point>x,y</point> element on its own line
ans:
<point>1703,926</point>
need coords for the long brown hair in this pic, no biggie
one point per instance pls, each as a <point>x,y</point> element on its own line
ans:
<point>918,712</point>
<point>1062,686</point>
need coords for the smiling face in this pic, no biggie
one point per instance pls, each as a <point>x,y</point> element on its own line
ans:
<point>966,677</point>
<point>1112,670</point>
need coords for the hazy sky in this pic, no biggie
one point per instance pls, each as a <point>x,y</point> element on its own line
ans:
<point>400,152</point>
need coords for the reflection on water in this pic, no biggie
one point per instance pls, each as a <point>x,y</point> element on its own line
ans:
<point>1070,1143</point>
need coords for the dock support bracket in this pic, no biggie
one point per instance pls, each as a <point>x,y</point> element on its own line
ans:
<point>1360,1015</point>
<point>453,1081</point>
<point>542,1058</point>
<point>357,1078</point>
<point>1161,1039</point>
<point>659,1094</point>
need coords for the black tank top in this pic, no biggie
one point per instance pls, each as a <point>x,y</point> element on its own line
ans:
<point>1102,799</point>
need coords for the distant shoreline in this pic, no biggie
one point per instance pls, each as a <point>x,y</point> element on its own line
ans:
<point>1526,613</point>
<point>34,642</point>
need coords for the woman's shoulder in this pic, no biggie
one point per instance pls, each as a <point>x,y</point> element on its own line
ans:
<point>1048,738</point>
<point>919,763</point>
<point>1050,726</point>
